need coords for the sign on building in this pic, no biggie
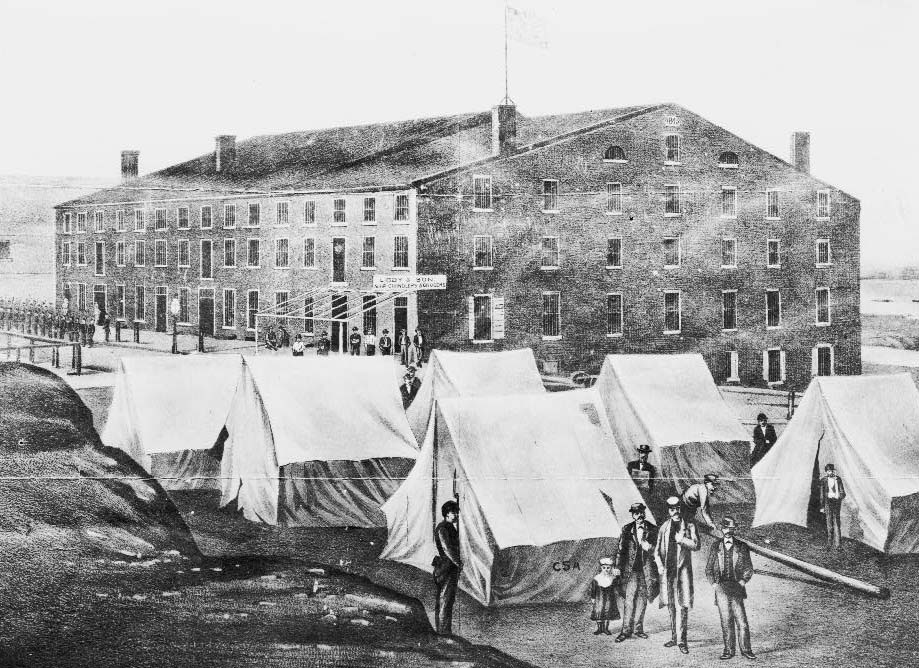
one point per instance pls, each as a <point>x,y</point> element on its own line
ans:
<point>411,282</point>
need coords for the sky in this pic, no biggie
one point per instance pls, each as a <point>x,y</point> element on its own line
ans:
<point>82,80</point>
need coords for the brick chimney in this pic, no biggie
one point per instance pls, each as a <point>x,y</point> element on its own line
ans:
<point>225,151</point>
<point>801,151</point>
<point>503,129</point>
<point>129,163</point>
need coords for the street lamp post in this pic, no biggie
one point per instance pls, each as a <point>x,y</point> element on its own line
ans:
<point>174,309</point>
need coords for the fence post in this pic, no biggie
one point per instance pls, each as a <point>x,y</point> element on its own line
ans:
<point>73,356</point>
<point>200,340</point>
<point>18,354</point>
<point>8,344</point>
<point>118,331</point>
<point>79,360</point>
<point>31,351</point>
<point>136,332</point>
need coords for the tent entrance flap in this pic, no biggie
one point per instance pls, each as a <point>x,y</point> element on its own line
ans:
<point>688,463</point>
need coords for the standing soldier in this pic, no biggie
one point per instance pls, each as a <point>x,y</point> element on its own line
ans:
<point>323,344</point>
<point>354,341</point>
<point>638,572</point>
<point>832,493</point>
<point>447,566</point>
<point>677,539</point>
<point>729,569</point>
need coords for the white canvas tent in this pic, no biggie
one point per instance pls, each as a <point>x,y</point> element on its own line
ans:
<point>671,403</point>
<point>452,374</point>
<point>543,492</point>
<point>320,442</point>
<point>868,427</point>
<point>167,413</point>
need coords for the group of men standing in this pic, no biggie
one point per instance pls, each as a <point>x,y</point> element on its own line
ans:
<point>43,319</point>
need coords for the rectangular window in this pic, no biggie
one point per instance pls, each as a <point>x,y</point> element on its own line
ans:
<point>824,358</point>
<point>672,143</point>
<point>400,252</point>
<point>65,253</point>
<point>68,223</point>
<point>772,204</point>
<point>482,318</point>
<point>159,253</point>
<point>551,315</point>
<point>823,204</point>
<point>309,253</point>
<point>775,372</point>
<point>253,253</point>
<point>308,315</point>
<point>119,220</point>
<point>229,252</point>
<point>207,256</point>
<point>773,254</point>
<point>614,253</point>
<point>251,308</point>
<point>183,253</point>
<point>81,296</point>
<point>773,309</point>
<point>229,216</point>
<point>728,253</point>
<point>255,214</point>
<point>728,202</point>
<point>549,258</point>
<point>281,299</point>
<point>282,253</point>
<point>484,251</point>
<point>81,253</point>
<point>401,207</point>
<point>481,191</point>
<point>81,222</point>
<point>309,212</point>
<point>98,222</point>
<point>283,213</point>
<point>338,212</point>
<point>139,222</point>
<point>673,204</point>
<point>100,258</point>
<point>139,303</point>
<point>140,253</point>
<point>229,308</point>
<point>159,219</point>
<point>119,253</point>
<point>671,248</point>
<point>370,209</point>
<point>729,310</point>
<point>183,304</point>
<point>613,198</point>
<point>119,301</point>
<point>368,256</point>
<point>207,217</point>
<point>823,253</point>
<point>823,306</point>
<point>672,312</point>
<point>370,314</point>
<point>182,217</point>
<point>550,195</point>
<point>614,314</point>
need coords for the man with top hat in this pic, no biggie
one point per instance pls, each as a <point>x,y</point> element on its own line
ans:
<point>832,493</point>
<point>763,439</point>
<point>635,566</point>
<point>677,539</point>
<point>696,499</point>
<point>729,569</point>
<point>643,473</point>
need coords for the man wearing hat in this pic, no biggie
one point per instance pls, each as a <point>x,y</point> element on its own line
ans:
<point>677,539</point>
<point>696,499</point>
<point>385,343</point>
<point>832,493</point>
<point>763,439</point>
<point>642,472</point>
<point>323,344</point>
<point>635,566</point>
<point>409,387</point>
<point>447,566</point>
<point>354,341</point>
<point>729,569</point>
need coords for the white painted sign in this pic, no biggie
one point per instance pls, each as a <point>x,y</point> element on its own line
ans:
<point>411,282</point>
<point>497,317</point>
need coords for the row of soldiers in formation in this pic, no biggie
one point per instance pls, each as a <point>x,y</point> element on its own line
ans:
<point>37,318</point>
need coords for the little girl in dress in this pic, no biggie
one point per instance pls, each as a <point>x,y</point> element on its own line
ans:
<point>604,601</point>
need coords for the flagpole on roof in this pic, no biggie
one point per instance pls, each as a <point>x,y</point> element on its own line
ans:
<point>506,94</point>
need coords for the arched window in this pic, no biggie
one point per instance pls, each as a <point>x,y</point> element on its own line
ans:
<point>728,159</point>
<point>615,153</point>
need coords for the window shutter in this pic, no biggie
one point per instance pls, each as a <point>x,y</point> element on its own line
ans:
<point>471,305</point>
<point>735,366</point>
<point>766,365</point>
<point>832,360</point>
<point>814,361</point>
<point>497,317</point>
<point>782,360</point>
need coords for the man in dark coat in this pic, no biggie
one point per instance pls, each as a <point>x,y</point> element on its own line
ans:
<point>634,565</point>
<point>832,493</point>
<point>729,569</point>
<point>385,343</point>
<point>677,539</point>
<point>763,439</point>
<point>447,566</point>
<point>323,344</point>
<point>354,341</point>
<point>409,387</point>
<point>643,473</point>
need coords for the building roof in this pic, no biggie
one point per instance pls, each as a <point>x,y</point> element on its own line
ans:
<point>362,157</point>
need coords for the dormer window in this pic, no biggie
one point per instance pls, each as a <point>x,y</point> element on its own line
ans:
<point>614,154</point>
<point>728,160</point>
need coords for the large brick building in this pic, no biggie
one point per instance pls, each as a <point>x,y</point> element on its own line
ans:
<point>641,229</point>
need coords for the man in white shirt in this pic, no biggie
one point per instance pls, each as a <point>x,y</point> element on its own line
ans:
<point>697,497</point>
<point>832,493</point>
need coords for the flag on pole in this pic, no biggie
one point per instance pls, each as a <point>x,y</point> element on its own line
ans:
<point>525,27</point>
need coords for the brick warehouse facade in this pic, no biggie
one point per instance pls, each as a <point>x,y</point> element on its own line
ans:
<point>643,229</point>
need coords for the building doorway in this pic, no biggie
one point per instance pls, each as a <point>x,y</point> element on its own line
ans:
<point>160,308</point>
<point>338,260</point>
<point>206,310</point>
<point>400,320</point>
<point>99,298</point>
<point>339,333</point>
